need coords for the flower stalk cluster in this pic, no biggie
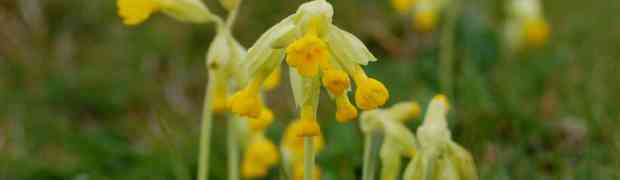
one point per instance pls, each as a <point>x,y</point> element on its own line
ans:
<point>318,53</point>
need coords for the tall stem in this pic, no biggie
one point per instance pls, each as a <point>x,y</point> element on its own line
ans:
<point>447,49</point>
<point>232,16</point>
<point>369,160</point>
<point>233,149</point>
<point>308,158</point>
<point>205,136</point>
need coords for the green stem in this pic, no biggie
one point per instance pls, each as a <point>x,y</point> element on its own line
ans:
<point>308,158</point>
<point>205,136</point>
<point>233,149</point>
<point>232,16</point>
<point>447,50</point>
<point>368,171</point>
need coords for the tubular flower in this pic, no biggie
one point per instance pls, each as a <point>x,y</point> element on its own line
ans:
<point>259,157</point>
<point>438,156</point>
<point>134,12</point>
<point>246,102</point>
<point>319,53</point>
<point>526,26</point>
<point>345,110</point>
<point>398,140</point>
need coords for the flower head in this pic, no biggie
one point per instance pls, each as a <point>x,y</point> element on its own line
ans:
<point>294,143</point>
<point>246,102</point>
<point>526,26</point>
<point>264,119</point>
<point>336,81</point>
<point>371,94</point>
<point>306,53</point>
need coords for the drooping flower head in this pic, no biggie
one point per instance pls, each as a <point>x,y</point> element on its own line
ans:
<point>317,52</point>
<point>526,26</point>
<point>438,156</point>
<point>398,141</point>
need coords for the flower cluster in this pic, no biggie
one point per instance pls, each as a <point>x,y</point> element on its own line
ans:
<point>316,52</point>
<point>425,13</point>
<point>398,140</point>
<point>526,25</point>
<point>438,157</point>
<point>293,150</point>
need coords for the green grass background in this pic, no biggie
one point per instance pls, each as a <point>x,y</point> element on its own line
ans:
<point>84,97</point>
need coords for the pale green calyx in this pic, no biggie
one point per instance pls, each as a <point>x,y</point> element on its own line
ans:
<point>186,10</point>
<point>439,157</point>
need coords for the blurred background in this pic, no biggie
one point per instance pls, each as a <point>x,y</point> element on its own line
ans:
<point>84,97</point>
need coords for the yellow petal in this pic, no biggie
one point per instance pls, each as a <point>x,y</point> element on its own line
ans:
<point>345,110</point>
<point>370,94</point>
<point>134,12</point>
<point>336,81</point>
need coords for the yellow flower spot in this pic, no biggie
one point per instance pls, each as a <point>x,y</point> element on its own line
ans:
<point>536,32</point>
<point>295,144</point>
<point>345,110</point>
<point>134,12</point>
<point>336,81</point>
<point>306,54</point>
<point>298,171</point>
<point>403,6</point>
<point>264,120</point>
<point>246,102</point>
<point>273,80</point>
<point>370,94</point>
<point>443,100</point>
<point>259,156</point>
<point>424,21</point>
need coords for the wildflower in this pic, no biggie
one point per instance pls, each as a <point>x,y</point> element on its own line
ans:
<point>398,140</point>
<point>264,120</point>
<point>439,157</point>
<point>526,26</point>
<point>426,14</point>
<point>318,53</point>
<point>134,12</point>
<point>259,157</point>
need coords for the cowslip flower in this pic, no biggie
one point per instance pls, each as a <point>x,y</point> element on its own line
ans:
<point>134,12</point>
<point>526,25</point>
<point>438,156</point>
<point>318,53</point>
<point>403,6</point>
<point>398,141</point>
<point>426,14</point>
<point>260,155</point>
<point>292,149</point>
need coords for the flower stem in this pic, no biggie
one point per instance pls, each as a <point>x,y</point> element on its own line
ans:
<point>205,137</point>
<point>369,162</point>
<point>446,66</point>
<point>308,158</point>
<point>233,150</point>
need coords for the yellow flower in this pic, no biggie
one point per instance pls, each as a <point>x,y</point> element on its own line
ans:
<point>308,122</point>
<point>425,21</point>
<point>293,142</point>
<point>135,12</point>
<point>273,80</point>
<point>264,120</point>
<point>345,110</point>
<point>298,171</point>
<point>307,53</point>
<point>403,6</point>
<point>370,94</point>
<point>259,156</point>
<point>536,32</point>
<point>336,81</point>
<point>246,102</point>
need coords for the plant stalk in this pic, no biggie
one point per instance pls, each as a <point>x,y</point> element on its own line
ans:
<point>368,171</point>
<point>308,158</point>
<point>205,136</point>
<point>233,149</point>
